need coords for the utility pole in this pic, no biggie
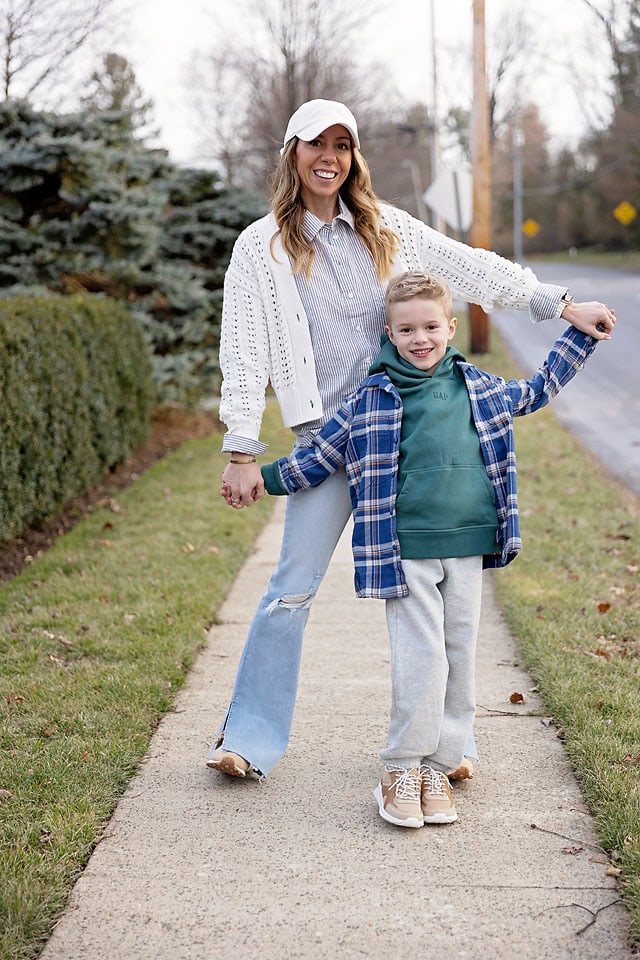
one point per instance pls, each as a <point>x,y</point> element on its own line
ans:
<point>481,226</point>
<point>436,220</point>
<point>518,143</point>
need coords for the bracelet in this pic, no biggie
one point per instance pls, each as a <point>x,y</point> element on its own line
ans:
<point>252,460</point>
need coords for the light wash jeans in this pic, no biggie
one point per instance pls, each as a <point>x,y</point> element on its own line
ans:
<point>260,713</point>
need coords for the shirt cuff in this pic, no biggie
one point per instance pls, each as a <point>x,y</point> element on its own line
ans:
<point>233,443</point>
<point>546,302</point>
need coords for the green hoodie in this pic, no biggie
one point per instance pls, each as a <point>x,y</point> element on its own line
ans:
<point>446,503</point>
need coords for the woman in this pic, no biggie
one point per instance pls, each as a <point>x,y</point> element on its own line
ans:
<point>304,310</point>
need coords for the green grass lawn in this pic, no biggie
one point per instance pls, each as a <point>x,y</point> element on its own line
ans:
<point>96,637</point>
<point>573,600</point>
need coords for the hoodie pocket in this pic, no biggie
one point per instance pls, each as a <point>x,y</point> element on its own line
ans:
<point>446,498</point>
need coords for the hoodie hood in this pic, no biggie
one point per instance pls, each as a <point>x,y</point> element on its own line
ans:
<point>402,373</point>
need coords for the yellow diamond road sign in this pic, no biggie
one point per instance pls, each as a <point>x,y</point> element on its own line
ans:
<point>530,227</point>
<point>625,212</point>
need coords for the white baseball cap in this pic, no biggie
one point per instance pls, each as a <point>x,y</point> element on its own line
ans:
<point>314,116</point>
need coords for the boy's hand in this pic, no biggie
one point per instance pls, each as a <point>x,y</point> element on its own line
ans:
<point>591,317</point>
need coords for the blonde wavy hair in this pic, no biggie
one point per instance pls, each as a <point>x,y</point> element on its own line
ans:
<point>414,283</point>
<point>357,193</point>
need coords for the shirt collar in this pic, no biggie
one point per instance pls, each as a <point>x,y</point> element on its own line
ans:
<point>312,225</point>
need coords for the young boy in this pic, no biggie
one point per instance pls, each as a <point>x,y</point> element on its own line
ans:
<point>427,442</point>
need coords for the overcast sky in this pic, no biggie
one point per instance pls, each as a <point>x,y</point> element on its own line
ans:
<point>163,35</point>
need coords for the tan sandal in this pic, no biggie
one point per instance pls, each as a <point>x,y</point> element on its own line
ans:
<point>463,772</point>
<point>230,763</point>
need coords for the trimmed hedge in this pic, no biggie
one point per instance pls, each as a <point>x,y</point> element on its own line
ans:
<point>75,400</point>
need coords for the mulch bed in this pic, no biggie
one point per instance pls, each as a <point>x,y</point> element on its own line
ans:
<point>170,428</point>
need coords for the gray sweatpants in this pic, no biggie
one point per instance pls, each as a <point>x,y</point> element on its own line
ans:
<point>433,634</point>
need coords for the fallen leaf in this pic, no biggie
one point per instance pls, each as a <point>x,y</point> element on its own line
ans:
<point>188,548</point>
<point>46,836</point>
<point>572,851</point>
<point>59,660</point>
<point>612,872</point>
<point>14,698</point>
<point>603,607</point>
<point>600,652</point>
<point>618,536</point>
<point>5,794</point>
<point>632,568</point>
<point>516,697</point>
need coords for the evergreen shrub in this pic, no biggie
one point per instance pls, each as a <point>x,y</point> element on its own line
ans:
<point>75,400</point>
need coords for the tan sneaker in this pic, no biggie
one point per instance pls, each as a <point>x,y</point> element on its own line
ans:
<point>398,796</point>
<point>229,763</point>
<point>463,772</point>
<point>436,797</point>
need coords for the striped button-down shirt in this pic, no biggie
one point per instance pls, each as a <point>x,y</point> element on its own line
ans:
<point>344,303</point>
<point>364,436</point>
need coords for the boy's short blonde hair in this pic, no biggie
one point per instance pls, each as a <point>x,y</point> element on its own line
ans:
<point>413,284</point>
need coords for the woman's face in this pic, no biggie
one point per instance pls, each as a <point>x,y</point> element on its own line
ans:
<point>323,165</point>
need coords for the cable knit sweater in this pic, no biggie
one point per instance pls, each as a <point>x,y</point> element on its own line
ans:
<point>265,334</point>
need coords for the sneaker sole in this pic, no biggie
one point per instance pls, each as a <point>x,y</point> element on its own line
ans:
<point>441,818</point>
<point>412,823</point>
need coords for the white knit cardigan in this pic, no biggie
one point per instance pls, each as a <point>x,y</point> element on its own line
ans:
<point>265,333</point>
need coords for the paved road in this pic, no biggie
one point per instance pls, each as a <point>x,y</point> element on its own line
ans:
<point>602,405</point>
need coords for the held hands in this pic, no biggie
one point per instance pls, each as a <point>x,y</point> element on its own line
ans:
<point>591,317</point>
<point>242,484</point>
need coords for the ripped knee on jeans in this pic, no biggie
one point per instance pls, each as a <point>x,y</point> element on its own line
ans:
<point>292,601</point>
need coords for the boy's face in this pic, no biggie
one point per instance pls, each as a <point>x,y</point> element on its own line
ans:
<point>420,331</point>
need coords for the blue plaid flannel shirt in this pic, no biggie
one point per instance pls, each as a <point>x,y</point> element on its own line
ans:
<point>364,436</point>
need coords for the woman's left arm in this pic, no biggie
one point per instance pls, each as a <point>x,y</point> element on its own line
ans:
<point>481,276</point>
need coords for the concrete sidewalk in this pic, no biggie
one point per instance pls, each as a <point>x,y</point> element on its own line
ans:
<point>197,865</point>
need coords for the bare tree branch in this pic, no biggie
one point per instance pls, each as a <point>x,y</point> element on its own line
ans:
<point>39,37</point>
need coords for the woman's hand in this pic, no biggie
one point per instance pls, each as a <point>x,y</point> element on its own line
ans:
<point>242,484</point>
<point>591,317</point>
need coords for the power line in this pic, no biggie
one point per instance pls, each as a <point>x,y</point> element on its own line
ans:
<point>578,182</point>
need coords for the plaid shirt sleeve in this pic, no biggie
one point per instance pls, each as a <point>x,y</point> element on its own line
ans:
<point>567,356</point>
<point>309,466</point>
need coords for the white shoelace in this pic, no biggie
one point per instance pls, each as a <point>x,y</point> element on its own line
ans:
<point>435,780</point>
<point>407,786</point>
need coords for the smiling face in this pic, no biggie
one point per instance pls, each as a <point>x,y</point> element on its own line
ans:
<point>323,165</point>
<point>421,331</point>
